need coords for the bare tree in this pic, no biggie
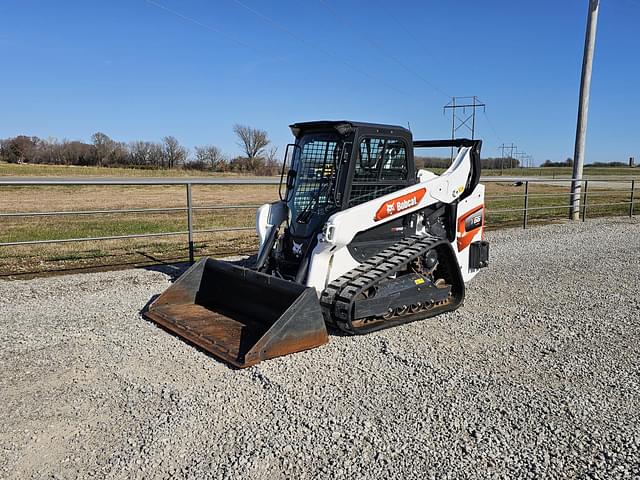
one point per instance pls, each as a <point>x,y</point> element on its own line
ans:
<point>175,153</point>
<point>211,156</point>
<point>271,164</point>
<point>271,155</point>
<point>252,140</point>
<point>75,152</point>
<point>120,154</point>
<point>157,155</point>
<point>140,152</point>
<point>104,147</point>
<point>20,149</point>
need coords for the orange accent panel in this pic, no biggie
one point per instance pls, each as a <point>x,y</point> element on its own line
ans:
<point>399,204</point>
<point>464,237</point>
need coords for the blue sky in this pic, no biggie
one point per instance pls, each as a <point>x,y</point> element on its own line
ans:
<point>134,70</point>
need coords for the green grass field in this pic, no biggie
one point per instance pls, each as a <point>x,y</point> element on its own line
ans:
<point>504,200</point>
<point>10,169</point>
<point>549,203</point>
<point>27,170</point>
<point>566,172</point>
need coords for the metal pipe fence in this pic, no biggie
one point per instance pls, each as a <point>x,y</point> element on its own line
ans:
<point>189,208</point>
<point>526,210</point>
<point>606,190</point>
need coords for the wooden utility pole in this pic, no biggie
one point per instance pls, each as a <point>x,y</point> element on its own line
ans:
<point>583,110</point>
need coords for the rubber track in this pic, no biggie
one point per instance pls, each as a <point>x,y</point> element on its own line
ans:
<point>338,297</point>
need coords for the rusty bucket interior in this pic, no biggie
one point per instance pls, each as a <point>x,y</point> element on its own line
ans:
<point>240,315</point>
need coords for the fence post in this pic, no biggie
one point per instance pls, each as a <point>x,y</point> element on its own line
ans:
<point>584,201</point>
<point>190,222</point>
<point>526,203</point>
<point>633,187</point>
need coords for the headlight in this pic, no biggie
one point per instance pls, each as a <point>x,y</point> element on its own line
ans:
<point>328,231</point>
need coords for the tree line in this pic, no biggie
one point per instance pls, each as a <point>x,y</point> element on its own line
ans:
<point>498,163</point>
<point>259,156</point>
<point>488,163</point>
<point>569,163</point>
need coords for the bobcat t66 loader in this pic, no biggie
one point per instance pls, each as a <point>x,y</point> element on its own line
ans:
<point>358,240</point>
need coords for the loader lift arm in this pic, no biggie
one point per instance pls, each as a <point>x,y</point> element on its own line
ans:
<point>474,145</point>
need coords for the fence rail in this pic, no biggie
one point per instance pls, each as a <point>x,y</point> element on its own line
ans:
<point>628,187</point>
<point>606,190</point>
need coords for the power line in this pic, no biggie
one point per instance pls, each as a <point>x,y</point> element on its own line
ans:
<point>213,29</point>
<point>380,49</point>
<point>331,54</point>
<point>484,111</point>
<point>326,52</point>
<point>405,29</point>
<point>251,47</point>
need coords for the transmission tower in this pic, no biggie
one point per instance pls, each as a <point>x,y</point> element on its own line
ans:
<point>511,149</point>
<point>468,105</point>
<point>529,161</point>
<point>467,118</point>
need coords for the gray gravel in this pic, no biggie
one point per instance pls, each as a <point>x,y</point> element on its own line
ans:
<point>536,376</point>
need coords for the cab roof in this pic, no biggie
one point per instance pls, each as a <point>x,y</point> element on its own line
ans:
<point>324,124</point>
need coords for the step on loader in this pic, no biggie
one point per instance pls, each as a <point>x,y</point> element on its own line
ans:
<point>359,240</point>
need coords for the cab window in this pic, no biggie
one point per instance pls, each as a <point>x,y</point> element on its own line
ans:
<point>381,168</point>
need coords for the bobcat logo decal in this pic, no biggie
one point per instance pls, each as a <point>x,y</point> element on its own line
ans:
<point>399,204</point>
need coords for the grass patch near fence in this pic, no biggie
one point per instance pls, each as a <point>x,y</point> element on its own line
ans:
<point>47,259</point>
<point>37,170</point>
<point>564,172</point>
<point>29,260</point>
<point>550,203</point>
<point>27,170</point>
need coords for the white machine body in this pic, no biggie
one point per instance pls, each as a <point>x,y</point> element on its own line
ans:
<point>331,257</point>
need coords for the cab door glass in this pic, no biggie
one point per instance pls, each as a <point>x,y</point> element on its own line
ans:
<point>381,168</point>
<point>394,161</point>
<point>369,160</point>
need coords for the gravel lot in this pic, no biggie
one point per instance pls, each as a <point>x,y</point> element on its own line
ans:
<point>535,376</point>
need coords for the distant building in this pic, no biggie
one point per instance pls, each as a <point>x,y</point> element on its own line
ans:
<point>632,162</point>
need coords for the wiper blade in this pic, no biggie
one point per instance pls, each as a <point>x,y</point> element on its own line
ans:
<point>305,214</point>
<point>303,217</point>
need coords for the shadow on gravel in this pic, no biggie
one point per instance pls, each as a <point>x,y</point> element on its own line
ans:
<point>172,270</point>
<point>175,269</point>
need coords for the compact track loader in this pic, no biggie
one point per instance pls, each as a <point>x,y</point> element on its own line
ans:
<point>358,240</point>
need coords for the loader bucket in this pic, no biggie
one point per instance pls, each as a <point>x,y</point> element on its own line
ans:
<point>240,315</point>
